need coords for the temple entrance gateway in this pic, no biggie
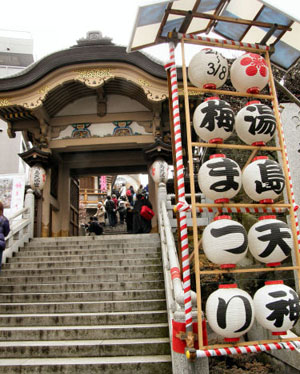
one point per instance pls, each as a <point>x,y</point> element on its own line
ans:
<point>89,110</point>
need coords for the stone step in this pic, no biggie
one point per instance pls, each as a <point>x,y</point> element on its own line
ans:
<point>80,270</point>
<point>155,364</point>
<point>81,287</point>
<point>134,331</point>
<point>91,251</point>
<point>113,237</point>
<point>84,257</point>
<point>83,307</point>
<point>79,264</point>
<point>85,348</point>
<point>6,279</point>
<point>99,246</point>
<point>82,296</point>
<point>62,319</point>
<point>95,240</point>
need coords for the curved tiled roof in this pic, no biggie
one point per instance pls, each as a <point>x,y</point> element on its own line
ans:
<point>81,54</point>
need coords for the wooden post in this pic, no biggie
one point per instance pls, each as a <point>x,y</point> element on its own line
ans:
<point>193,198</point>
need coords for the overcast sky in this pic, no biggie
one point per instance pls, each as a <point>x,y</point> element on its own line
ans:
<point>56,25</point>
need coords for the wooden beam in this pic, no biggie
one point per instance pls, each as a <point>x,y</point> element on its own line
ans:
<point>94,118</point>
<point>240,21</point>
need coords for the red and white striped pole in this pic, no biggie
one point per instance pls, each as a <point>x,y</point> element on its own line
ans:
<point>256,348</point>
<point>182,205</point>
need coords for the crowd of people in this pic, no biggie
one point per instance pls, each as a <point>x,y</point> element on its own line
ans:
<point>122,207</point>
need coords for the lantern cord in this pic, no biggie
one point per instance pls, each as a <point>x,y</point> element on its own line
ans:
<point>181,190</point>
<point>290,345</point>
<point>224,42</point>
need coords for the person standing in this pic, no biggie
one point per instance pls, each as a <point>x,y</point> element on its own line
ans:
<point>122,209</point>
<point>111,211</point>
<point>129,195</point>
<point>100,214</point>
<point>123,191</point>
<point>4,231</point>
<point>140,224</point>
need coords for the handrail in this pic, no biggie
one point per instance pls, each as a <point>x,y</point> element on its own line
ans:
<point>173,283</point>
<point>21,227</point>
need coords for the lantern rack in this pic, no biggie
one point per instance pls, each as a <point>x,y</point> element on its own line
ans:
<point>289,208</point>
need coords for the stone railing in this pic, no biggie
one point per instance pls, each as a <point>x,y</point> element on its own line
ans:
<point>21,227</point>
<point>174,287</point>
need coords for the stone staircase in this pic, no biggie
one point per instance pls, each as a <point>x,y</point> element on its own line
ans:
<point>85,305</point>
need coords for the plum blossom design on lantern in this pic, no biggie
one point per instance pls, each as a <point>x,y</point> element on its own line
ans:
<point>257,64</point>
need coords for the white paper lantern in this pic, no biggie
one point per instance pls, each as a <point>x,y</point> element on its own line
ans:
<point>208,69</point>
<point>225,242</point>
<point>219,178</point>
<point>249,73</point>
<point>213,120</point>
<point>230,312</point>
<point>263,180</point>
<point>270,240</point>
<point>255,124</point>
<point>37,177</point>
<point>276,307</point>
<point>159,171</point>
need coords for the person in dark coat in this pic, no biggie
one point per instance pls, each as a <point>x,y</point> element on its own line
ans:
<point>111,211</point>
<point>140,224</point>
<point>94,227</point>
<point>4,231</point>
<point>129,218</point>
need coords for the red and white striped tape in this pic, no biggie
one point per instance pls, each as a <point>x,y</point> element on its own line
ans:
<point>224,41</point>
<point>241,210</point>
<point>292,345</point>
<point>181,190</point>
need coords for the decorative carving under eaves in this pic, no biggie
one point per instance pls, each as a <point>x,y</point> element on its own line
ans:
<point>37,100</point>
<point>152,94</point>
<point>4,102</point>
<point>94,77</point>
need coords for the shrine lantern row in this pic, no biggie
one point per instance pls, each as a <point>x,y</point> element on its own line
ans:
<point>214,121</point>
<point>209,69</point>
<point>220,179</point>
<point>231,311</point>
<point>226,242</point>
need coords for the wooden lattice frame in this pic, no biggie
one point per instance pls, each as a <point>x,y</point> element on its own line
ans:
<point>290,207</point>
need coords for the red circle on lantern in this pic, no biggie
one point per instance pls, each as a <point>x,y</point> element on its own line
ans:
<point>266,201</point>
<point>259,144</point>
<point>267,283</point>
<point>217,155</point>
<point>273,264</point>
<point>251,70</point>
<point>216,141</point>
<point>228,285</point>
<point>260,158</point>
<point>210,86</point>
<point>212,98</point>
<point>253,102</point>
<point>222,217</point>
<point>266,217</point>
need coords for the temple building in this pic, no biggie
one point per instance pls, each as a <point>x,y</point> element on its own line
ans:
<point>92,109</point>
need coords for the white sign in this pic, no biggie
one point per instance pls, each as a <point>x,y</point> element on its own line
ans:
<point>12,187</point>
